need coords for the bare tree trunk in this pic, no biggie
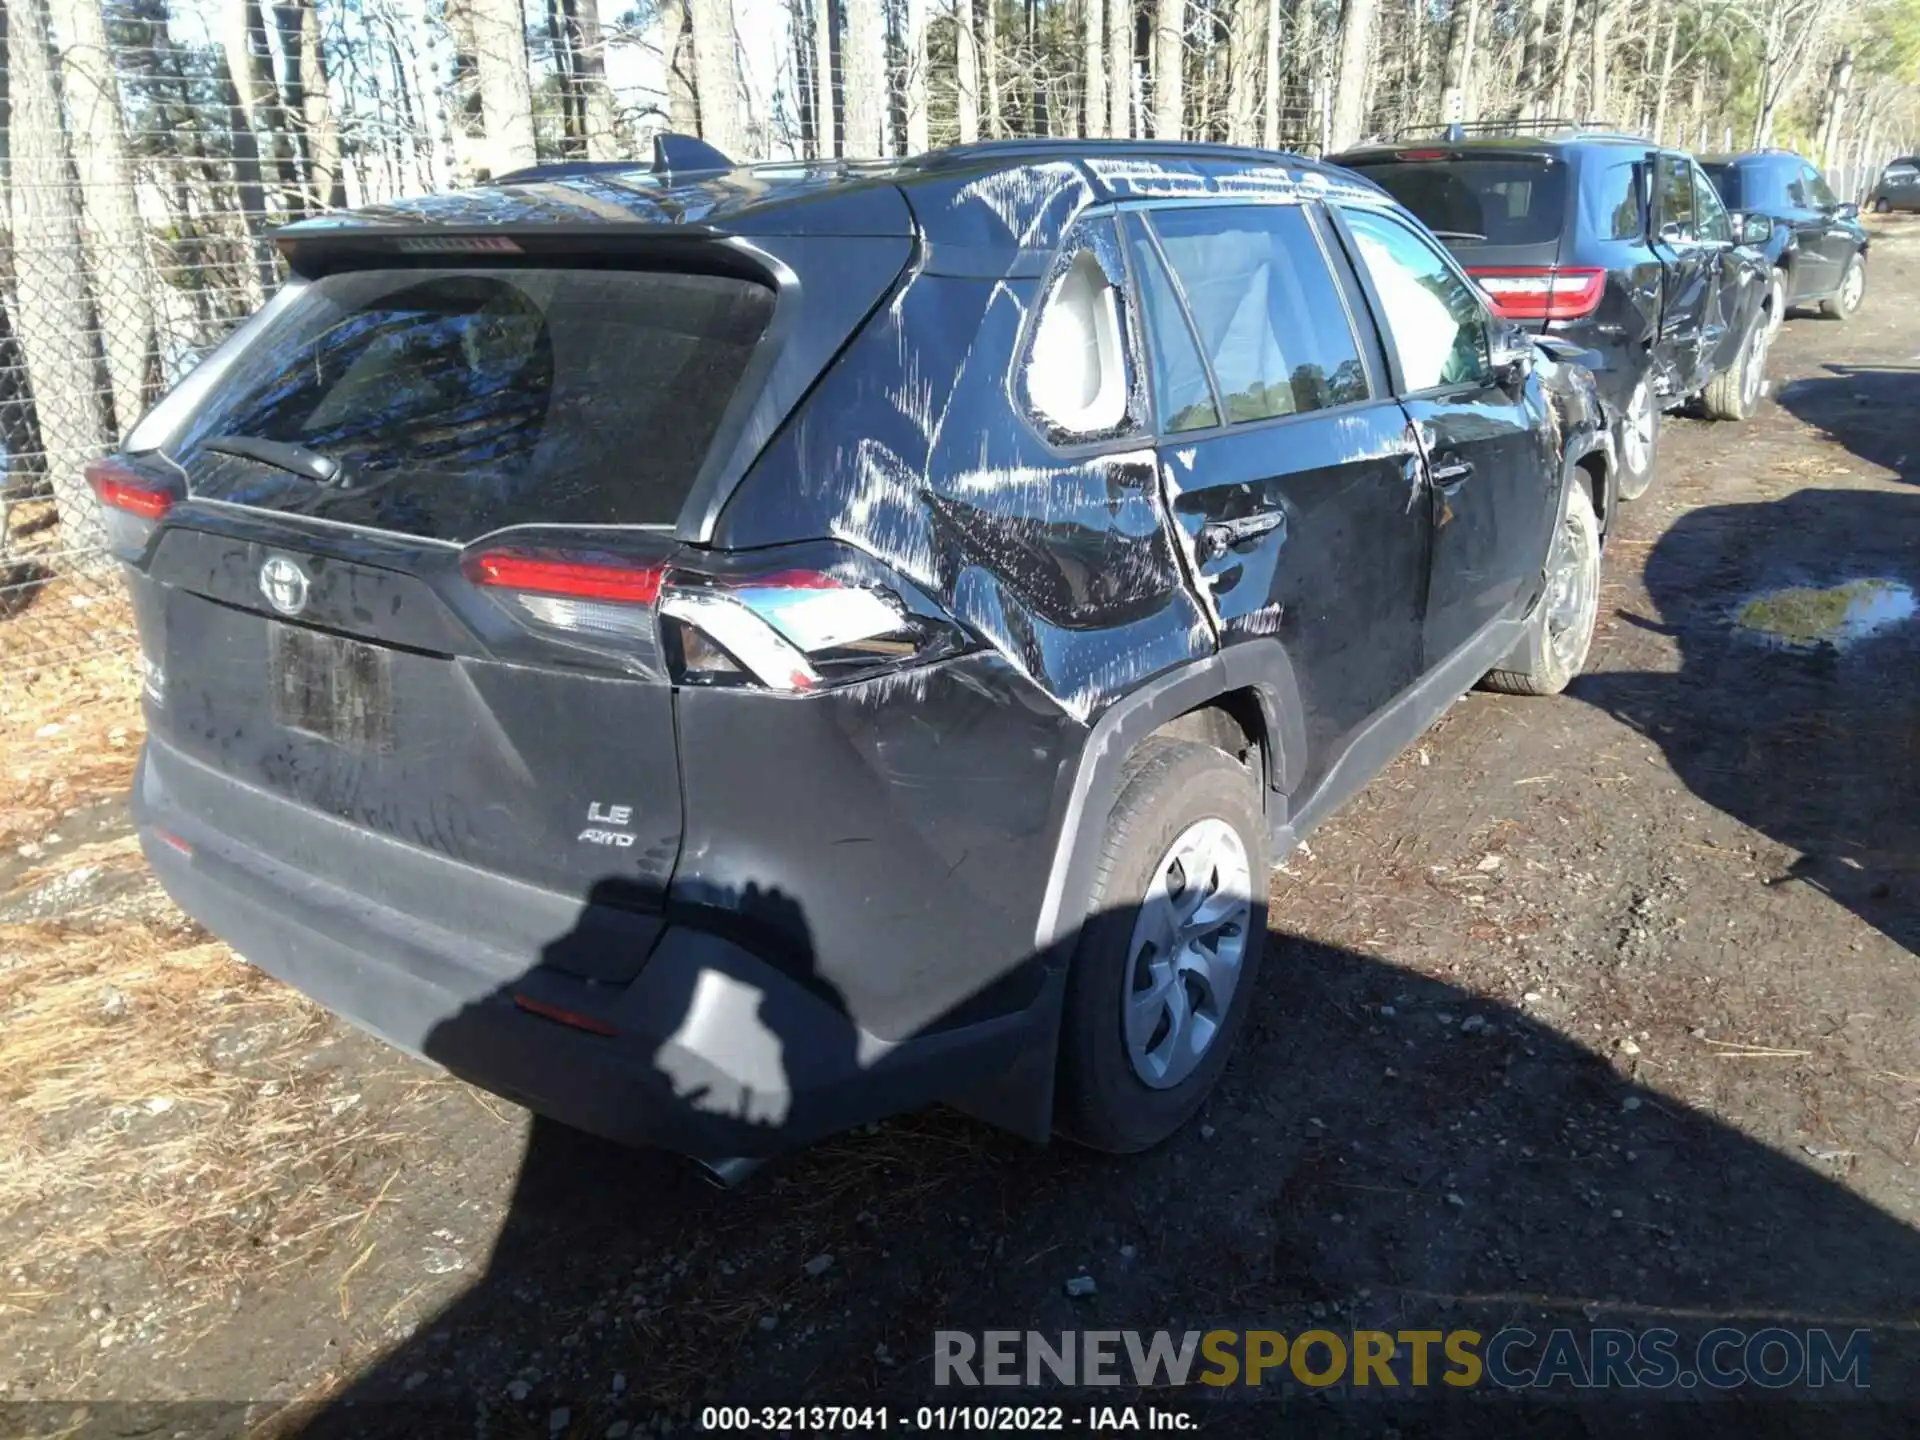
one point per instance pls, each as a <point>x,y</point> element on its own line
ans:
<point>866,71</point>
<point>823,107</point>
<point>990,63</point>
<point>1562,49</point>
<point>1246,49</point>
<point>1532,82</point>
<point>1838,84</point>
<point>919,137</point>
<point>716,83</point>
<point>51,280</point>
<point>309,103</point>
<point>589,46</point>
<point>967,55</point>
<point>1457,75</point>
<point>1120,68</point>
<point>116,250</point>
<point>1169,65</point>
<point>1350,90</point>
<point>1270,93</point>
<point>1599,20</point>
<point>1665,82</point>
<point>250,63</point>
<point>1093,34</point>
<point>506,96</point>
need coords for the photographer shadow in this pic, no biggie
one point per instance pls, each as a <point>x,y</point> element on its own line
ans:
<point>1386,1151</point>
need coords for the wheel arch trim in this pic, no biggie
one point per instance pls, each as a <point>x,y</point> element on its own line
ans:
<point>1258,665</point>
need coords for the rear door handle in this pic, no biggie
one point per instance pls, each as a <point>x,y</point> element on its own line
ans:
<point>1453,474</point>
<point>1219,536</point>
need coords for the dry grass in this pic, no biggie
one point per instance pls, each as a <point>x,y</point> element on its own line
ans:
<point>158,1098</point>
<point>69,731</point>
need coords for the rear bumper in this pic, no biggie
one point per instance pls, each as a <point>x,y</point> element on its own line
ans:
<point>712,1052</point>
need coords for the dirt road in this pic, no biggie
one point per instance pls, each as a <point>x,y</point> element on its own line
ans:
<point>1601,1009</point>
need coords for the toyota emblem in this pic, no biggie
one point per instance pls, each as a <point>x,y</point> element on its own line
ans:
<point>284,584</point>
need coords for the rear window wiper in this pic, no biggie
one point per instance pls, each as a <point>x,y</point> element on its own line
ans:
<point>294,459</point>
<point>1457,234</point>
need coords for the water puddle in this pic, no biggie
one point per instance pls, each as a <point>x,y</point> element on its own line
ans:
<point>1803,618</point>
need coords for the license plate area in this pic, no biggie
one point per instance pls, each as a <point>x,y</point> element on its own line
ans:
<point>333,688</point>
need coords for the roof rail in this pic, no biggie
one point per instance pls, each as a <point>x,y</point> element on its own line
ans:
<point>675,157</point>
<point>1041,147</point>
<point>1459,130</point>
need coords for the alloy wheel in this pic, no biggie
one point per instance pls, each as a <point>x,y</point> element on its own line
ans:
<point>1573,596</point>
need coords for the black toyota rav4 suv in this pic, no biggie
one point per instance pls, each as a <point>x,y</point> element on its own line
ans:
<point>722,657</point>
<point>1610,242</point>
<point>1816,246</point>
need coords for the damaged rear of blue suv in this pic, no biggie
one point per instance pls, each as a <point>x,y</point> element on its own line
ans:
<point>719,655</point>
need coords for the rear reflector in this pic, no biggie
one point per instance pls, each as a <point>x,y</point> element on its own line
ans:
<point>119,488</point>
<point>562,1016</point>
<point>1542,292</point>
<point>566,574</point>
<point>172,841</point>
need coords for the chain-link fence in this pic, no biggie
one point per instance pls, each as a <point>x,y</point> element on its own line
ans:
<point>149,148</point>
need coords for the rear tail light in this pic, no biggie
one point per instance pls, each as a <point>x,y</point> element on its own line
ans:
<point>793,619</point>
<point>1542,292</point>
<point>132,504</point>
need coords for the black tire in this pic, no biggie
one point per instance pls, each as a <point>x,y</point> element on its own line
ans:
<point>1844,303</point>
<point>1777,299</point>
<point>1168,787</point>
<point>1735,393</point>
<point>1882,207</point>
<point>1542,663</point>
<point>1636,471</point>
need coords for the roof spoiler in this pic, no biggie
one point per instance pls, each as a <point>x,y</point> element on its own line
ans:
<point>675,157</point>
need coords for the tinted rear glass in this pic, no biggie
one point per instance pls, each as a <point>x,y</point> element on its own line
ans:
<point>1519,201</point>
<point>1726,180</point>
<point>458,401</point>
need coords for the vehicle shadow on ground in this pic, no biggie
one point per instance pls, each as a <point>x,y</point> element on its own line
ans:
<point>1813,742</point>
<point>1870,409</point>
<point>1385,1152</point>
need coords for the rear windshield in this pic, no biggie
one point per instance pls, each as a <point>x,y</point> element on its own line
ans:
<point>1518,201</point>
<point>1726,180</point>
<point>447,403</point>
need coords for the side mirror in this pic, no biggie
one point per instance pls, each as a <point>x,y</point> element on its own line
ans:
<point>1754,229</point>
<point>1847,211</point>
<point>1510,352</point>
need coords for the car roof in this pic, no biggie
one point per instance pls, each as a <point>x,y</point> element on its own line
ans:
<point>1013,194</point>
<point>1468,146</point>
<point>1755,157</point>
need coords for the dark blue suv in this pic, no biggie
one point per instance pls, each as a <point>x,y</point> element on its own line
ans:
<point>721,657</point>
<point>1612,243</point>
<point>1815,244</point>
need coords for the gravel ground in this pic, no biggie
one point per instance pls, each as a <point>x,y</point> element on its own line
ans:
<point>1594,1010</point>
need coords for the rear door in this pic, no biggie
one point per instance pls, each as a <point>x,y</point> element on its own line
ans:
<point>1691,276</point>
<point>1289,469</point>
<point>1837,238</point>
<point>1814,272</point>
<point>411,587</point>
<point>1493,479</point>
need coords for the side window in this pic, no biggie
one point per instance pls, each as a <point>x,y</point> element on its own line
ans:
<point>1713,222</point>
<point>1076,368</point>
<point>1675,185</point>
<point>1181,395</point>
<point>1823,197</point>
<point>1266,309</point>
<point>1615,197</point>
<point>1435,319</point>
<point>1797,191</point>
